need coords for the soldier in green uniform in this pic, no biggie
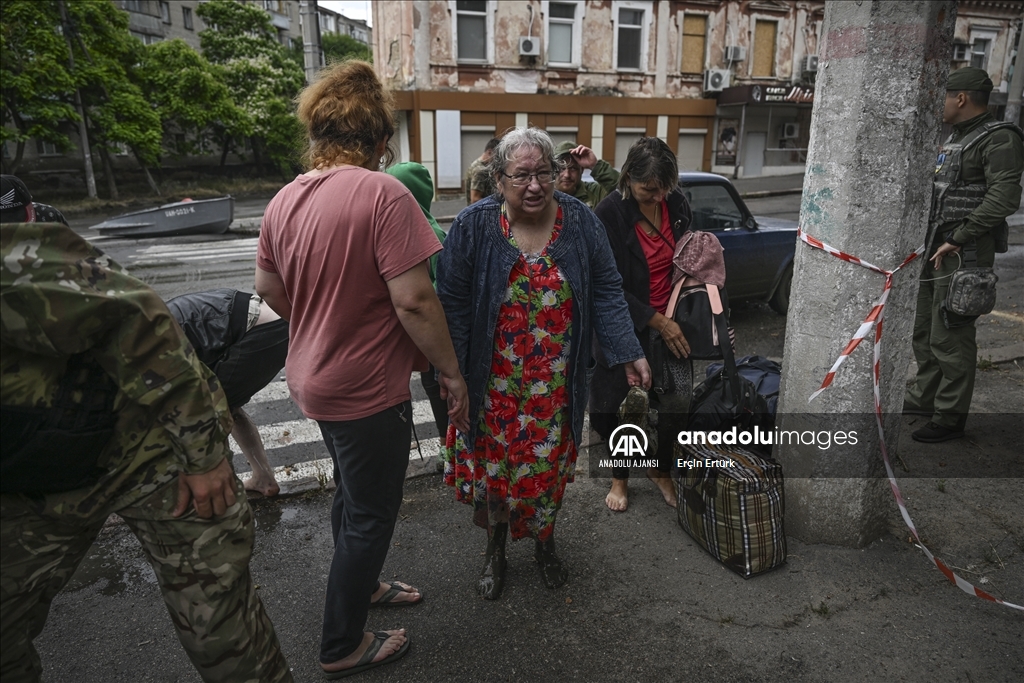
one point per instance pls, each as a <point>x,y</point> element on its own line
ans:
<point>572,159</point>
<point>105,409</point>
<point>976,186</point>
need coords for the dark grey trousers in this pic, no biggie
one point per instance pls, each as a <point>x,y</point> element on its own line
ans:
<point>370,457</point>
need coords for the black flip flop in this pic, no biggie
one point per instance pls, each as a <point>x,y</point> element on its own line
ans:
<point>394,588</point>
<point>366,662</point>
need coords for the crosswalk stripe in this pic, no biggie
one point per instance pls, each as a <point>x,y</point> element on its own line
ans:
<point>176,248</point>
<point>323,468</point>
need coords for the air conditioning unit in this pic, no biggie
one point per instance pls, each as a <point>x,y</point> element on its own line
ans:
<point>790,131</point>
<point>809,64</point>
<point>716,80</point>
<point>529,46</point>
<point>735,53</point>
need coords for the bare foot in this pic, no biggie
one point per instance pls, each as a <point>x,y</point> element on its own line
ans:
<point>267,486</point>
<point>617,499</point>
<point>389,647</point>
<point>409,594</point>
<point>664,484</point>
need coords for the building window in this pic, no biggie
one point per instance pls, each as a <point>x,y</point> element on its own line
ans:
<point>763,64</point>
<point>630,34</point>
<point>565,26</point>
<point>695,36</point>
<point>186,17</point>
<point>133,5</point>
<point>471,35</point>
<point>47,149</point>
<point>165,12</point>
<point>979,52</point>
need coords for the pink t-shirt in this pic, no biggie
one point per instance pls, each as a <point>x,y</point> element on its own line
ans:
<point>335,240</point>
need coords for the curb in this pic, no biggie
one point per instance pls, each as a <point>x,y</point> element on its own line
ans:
<point>758,194</point>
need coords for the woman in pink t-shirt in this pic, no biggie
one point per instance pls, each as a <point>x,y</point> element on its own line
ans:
<point>643,218</point>
<point>342,256</point>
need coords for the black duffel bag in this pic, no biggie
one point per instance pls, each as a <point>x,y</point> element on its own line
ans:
<point>726,399</point>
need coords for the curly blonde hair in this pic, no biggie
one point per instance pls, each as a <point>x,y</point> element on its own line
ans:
<point>347,112</point>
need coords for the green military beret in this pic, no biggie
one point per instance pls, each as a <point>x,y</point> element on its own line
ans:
<point>969,78</point>
<point>564,148</point>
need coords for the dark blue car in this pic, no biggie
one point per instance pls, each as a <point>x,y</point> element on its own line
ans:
<point>758,250</point>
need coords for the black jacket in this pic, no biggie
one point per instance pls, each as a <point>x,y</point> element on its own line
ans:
<point>212,320</point>
<point>620,217</point>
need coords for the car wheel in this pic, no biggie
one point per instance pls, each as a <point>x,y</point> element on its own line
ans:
<point>780,299</point>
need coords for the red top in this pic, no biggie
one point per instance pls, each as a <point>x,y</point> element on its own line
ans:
<point>659,248</point>
<point>335,240</point>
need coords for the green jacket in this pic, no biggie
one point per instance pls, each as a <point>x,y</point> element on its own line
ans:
<point>592,193</point>
<point>996,161</point>
<point>60,296</point>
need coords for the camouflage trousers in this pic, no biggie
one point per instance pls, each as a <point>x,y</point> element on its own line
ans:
<point>202,566</point>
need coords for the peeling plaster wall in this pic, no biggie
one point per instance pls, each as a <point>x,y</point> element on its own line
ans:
<point>729,23</point>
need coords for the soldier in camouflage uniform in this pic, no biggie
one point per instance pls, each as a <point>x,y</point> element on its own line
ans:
<point>153,449</point>
<point>977,185</point>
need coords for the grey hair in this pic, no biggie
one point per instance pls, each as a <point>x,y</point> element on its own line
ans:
<point>515,139</point>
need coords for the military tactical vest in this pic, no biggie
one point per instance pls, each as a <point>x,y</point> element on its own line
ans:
<point>952,199</point>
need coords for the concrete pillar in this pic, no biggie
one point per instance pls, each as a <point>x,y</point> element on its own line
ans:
<point>874,135</point>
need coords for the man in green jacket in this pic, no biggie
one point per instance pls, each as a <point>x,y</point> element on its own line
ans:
<point>976,186</point>
<point>572,159</point>
<point>106,409</point>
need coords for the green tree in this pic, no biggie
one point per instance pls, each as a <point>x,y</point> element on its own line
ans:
<point>36,86</point>
<point>190,96</point>
<point>261,75</point>
<point>338,47</point>
<point>105,59</point>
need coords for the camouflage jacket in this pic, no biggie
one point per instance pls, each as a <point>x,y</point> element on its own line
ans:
<point>607,178</point>
<point>998,162</point>
<point>60,296</point>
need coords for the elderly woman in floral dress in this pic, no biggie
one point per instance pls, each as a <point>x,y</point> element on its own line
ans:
<point>526,280</point>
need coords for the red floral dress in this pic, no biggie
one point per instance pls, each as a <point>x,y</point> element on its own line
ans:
<point>524,453</point>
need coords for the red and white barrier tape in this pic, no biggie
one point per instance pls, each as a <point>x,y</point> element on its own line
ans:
<point>875,318</point>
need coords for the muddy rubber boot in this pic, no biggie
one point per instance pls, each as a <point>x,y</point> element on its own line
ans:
<point>552,570</point>
<point>492,580</point>
<point>636,409</point>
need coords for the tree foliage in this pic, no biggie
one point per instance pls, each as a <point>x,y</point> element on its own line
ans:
<point>36,86</point>
<point>338,47</point>
<point>106,56</point>
<point>259,72</point>
<point>189,95</point>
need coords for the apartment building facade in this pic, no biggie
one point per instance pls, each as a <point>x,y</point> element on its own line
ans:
<point>728,84</point>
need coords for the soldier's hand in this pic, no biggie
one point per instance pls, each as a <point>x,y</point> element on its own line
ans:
<point>944,248</point>
<point>211,493</point>
<point>584,156</point>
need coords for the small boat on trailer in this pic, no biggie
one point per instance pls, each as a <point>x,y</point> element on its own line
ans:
<point>188,217</point>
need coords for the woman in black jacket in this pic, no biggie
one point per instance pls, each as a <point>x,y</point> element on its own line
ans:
<point>644,217</point>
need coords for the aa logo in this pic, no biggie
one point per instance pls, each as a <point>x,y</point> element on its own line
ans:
<point>628,441</point>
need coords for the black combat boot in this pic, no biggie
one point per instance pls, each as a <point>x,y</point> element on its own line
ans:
<point>551,567</point>
<point>492,580</point>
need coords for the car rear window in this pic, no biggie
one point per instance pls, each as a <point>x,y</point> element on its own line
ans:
<point>713,208</point>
